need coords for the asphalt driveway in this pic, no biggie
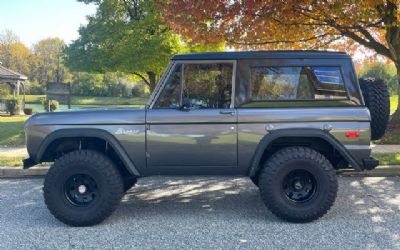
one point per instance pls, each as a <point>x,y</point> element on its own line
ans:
<point>205,213</point>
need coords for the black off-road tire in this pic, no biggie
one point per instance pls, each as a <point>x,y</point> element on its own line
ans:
<point>101,170</point>
<point>292,160</point>
<point>377,99</point>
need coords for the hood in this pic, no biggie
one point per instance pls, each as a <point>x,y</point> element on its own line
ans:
<point>89,117</point>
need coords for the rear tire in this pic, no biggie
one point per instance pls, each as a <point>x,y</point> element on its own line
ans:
<point>298,184</point>
<point>83,188</point>
<point>376,98</point>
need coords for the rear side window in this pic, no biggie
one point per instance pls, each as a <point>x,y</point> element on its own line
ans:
<point>296,83</point>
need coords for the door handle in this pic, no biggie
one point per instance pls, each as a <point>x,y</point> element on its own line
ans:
<point>227,112</point>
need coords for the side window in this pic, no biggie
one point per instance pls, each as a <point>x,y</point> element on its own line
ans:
<point>207,85</point>
<point>274,83</point>
<point>328,83</point>
<point>171,94</point>
<point>296,83</point>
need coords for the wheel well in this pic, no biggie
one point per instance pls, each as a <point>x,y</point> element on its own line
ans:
<point>316,143</point>
<point>62,146</point>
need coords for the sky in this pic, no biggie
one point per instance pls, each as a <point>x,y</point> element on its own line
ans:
<point>33,20</point>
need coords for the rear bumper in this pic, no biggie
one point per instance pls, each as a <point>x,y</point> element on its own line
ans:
<point>361,154</point>
<point>369,163</point>
<point>29,162</point>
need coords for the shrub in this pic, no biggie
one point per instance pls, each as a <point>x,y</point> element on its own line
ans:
<point>12,106</point>
<point>113,84</point>
<point>50,105</point>
<point>4,90</point>
<point>28,111</point>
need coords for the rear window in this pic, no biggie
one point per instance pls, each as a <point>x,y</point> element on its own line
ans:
<point>296,83</point>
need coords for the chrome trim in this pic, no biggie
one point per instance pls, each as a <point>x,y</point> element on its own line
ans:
<point>358,147</point>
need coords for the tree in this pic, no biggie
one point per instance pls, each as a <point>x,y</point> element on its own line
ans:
<point>9,37</point>
<point>50,60</point>
<point>15,55</point>
<point>126,36</point>
<point>297,24</point>
<point>384,71</point>
<point>88,84</point>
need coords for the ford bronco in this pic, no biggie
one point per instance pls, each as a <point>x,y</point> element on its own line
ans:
<point>285,119</point>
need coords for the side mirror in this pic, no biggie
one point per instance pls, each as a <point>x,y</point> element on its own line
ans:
<point>186,104</point>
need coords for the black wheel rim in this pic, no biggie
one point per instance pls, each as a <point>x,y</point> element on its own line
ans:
<point>299,186</point>
<point>81,190</point>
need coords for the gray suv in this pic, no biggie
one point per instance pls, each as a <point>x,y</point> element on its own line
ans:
<point>285,119</point>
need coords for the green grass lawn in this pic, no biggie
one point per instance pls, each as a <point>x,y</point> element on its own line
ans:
<point>387,158</point>
<point>12,130</point>
<point>6,161</point>
<point>85,100</point>
<point>9,161</point>
<point>394,100</point>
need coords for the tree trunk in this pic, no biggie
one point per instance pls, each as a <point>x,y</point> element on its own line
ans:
<point>152,80</point>
<point>395,119</point>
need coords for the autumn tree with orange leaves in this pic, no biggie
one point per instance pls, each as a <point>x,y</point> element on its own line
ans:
<point>290,24</point>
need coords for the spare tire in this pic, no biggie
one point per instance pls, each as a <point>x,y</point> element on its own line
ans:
<point>376,98</point>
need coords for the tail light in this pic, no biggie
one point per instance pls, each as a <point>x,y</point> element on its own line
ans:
<point>352,134</point>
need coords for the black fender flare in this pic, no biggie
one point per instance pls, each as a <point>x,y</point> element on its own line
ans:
<point>299,132</point>
<point>89,132</point>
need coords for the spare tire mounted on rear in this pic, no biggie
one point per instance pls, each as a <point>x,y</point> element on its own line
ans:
<point>376,98</point>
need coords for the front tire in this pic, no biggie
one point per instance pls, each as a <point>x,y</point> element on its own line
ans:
<point>83,188</point>
<point>298,184</point>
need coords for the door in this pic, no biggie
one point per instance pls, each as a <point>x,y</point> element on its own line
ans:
<point>192,124</point>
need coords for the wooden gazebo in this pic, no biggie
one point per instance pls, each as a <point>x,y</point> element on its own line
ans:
<point>15,81</point>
